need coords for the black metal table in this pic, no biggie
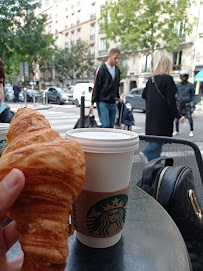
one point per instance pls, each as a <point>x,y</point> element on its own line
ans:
<point>150,242</point>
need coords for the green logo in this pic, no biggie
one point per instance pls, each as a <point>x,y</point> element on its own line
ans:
<point>107,216</point>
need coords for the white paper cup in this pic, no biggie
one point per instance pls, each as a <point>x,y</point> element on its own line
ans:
<point>100,210</point>
<point>3,132</point>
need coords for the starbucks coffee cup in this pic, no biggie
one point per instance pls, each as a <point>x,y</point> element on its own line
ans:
<point>3,132</point>
<point>100,210</point>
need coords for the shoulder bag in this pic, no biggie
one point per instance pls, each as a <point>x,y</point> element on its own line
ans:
<point>173,187</point>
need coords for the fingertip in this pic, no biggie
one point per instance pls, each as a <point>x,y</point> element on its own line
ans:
<point>19,173</point>
<point>10,188</point>
<point>15,178</point>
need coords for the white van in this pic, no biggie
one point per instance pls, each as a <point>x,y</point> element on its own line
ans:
<point>82,89</point>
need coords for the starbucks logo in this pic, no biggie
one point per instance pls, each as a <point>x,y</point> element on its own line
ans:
<point>107,216</point>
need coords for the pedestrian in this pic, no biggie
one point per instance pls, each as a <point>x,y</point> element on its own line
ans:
<point>2,81</point>
<point>5,113</point>
<point>125,118</point>
<point>185,97</point>
<point>16,90</point>
<point>161,109</point>
<point>106,90</point>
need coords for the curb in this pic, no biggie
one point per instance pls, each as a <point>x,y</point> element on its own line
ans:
<point>15,107</point>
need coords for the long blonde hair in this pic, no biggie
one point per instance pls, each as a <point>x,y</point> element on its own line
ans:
<point>163,66</point>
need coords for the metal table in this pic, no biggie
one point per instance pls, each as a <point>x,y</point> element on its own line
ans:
<point>150,242</point>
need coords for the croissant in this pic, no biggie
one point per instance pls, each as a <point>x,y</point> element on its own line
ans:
<point>54,172</point>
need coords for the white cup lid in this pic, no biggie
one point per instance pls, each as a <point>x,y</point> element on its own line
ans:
<point>4,128</point>
<point>104,140</point>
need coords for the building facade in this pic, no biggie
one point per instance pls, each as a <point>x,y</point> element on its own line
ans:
<point>72,20</point>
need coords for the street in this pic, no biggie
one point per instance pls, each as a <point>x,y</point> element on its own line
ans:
<point>63,118</point>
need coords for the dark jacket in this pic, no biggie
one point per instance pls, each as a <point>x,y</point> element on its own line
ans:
<point>160,113</point>
<point>125,115</point>
<point>16,89</point>
<point>105,88</point>
<point>5,113</point>
<point>185,92</point>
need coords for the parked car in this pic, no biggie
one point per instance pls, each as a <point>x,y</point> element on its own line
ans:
<point>59,95</point>
<point>79,90</point>
<point>32,92</point>
<point>9,94</point>
<point>134,100</point>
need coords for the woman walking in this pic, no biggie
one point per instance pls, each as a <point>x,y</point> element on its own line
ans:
<point>161,109</point>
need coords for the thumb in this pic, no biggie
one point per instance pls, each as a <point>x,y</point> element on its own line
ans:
<point>10,188</point>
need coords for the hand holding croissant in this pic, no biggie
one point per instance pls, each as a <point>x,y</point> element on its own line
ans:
<point>54,172</point>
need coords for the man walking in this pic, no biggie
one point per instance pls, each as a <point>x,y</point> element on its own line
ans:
<point>185,96</point>
<point>16,90</point>
<point>106,90</point>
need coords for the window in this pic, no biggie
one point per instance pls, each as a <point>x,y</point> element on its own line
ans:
<point>102,45</point>
<point>92,50</point>
<point>92,16</point>
<point>78,34</point>
<point>179,28</point>
<point>67,43</point>
<point>177,57</point>
<point>49,30</point>
<point>92,31</point>
<point>46,3</point>
<point>72,37</point>
<point>56,42</point>
<point>147,63</point>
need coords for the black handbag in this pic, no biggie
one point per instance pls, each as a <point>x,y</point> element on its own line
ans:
<point>89,122</point>
<point>173,187</point>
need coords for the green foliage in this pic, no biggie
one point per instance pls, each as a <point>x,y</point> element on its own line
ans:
<point>32,44</point>
<point>75,64</point>
<point>123,67</point>
<point>12,13</point>
<point>22,36</point>
<point>148,24</point>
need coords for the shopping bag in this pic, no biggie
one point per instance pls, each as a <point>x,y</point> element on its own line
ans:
<point>89,122</point>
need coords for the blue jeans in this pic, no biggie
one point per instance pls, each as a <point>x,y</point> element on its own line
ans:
<point>107,114</point>
<point>153,151</point>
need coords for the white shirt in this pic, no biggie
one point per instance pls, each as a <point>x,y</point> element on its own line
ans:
<point>111,69</point>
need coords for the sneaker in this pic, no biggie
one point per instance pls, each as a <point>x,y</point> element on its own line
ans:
<point>191,133</point>
<point>175,133</point>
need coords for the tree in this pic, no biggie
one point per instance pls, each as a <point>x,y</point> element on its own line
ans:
<point>32,44</point>
<point>75,64</point>
<point>12,13</point>
<point>123,67</point>
<point>140,24</point>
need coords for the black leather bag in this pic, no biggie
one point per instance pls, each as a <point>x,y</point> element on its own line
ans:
<point>89,122</point>
<point>173,187</point>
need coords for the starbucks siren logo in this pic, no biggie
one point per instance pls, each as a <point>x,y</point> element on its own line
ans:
<point>107,216</point>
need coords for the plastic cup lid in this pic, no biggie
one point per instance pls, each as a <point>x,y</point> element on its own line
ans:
<point>4,128</point>
<point>104,140</point>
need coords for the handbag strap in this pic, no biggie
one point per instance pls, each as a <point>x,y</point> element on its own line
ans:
<point>153,164</point>
<point>157,88</point>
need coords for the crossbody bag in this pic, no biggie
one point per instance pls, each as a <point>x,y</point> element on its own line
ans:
<point>157,88</point>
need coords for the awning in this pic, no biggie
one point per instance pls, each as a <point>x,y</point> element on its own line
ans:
<point>199,76</point>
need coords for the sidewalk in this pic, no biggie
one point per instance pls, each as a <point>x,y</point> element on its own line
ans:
<point>15,106</point>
